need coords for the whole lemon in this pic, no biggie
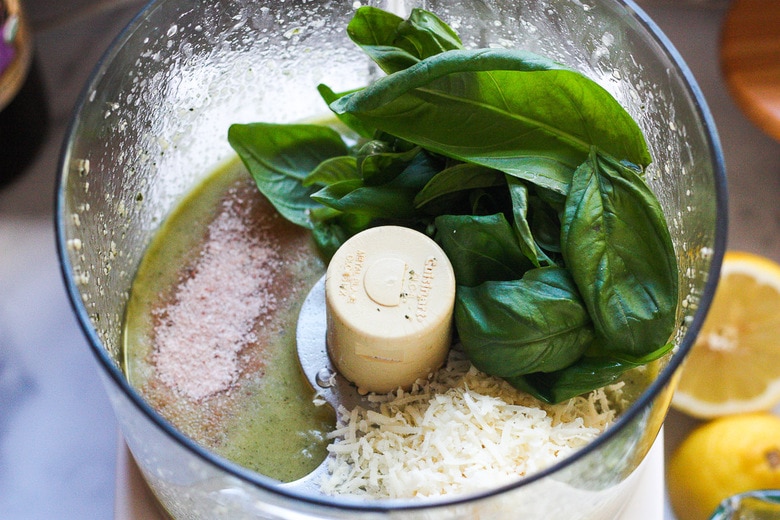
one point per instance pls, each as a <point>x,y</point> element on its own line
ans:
<point>728,455</point>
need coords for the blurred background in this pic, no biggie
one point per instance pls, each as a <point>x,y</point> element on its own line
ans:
<point>58,437</point>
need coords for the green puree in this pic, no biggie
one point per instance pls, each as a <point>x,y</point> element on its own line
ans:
<point>266,420</point>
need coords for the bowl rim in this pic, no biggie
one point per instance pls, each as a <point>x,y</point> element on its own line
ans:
<point>272,486</point>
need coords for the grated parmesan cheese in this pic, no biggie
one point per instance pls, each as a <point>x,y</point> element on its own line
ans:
<point>461,431</point>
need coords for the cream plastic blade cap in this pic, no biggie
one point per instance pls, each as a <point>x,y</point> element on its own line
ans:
<point>390,293</point>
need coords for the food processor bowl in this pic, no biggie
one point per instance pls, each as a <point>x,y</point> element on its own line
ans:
<point>152,123</point>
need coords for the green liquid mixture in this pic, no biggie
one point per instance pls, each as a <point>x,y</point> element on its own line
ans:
<point>264,419</point>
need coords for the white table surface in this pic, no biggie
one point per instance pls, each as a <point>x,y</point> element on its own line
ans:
<point>58,438</point>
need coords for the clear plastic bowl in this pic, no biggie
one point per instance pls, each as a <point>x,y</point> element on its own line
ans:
<point>152,122</point>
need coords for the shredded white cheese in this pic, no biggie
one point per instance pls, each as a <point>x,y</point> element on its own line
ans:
<point>459,432</point>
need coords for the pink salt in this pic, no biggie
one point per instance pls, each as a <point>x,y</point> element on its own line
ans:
<point>200,335</point>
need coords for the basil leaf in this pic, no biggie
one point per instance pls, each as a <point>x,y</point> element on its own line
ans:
<point>333,170</point>
<point>520,207</point>
<point>396,44</point>
<point>484,202</point>
<point>379,163</point>
<point>517,327</point>
<point>376,31</point>
<point>353,123</point>
<point>460,177</point>
<point>331,228</point>
<point>481,248</point>
<point>585,375</point>
<point>328,237</point>
<point>617,245</point>
<point>545,226</point>
<point>501,109</point>
<point>543,172</point>
<point>392,201</point>
<point>424,35</point>
<point>279,157</point>
<point>554,199</point>
<point>353,196</point>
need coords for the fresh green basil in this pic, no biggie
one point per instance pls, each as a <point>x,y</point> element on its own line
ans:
<point>396,44</point>
<point>481,248</point>
<point>379,163</point>
<point>280,157</point>
<point>331,228</point>
<point>585,374</point>
<point>329,96</point>
<point>333,170</point>
<point>527,173</point>
<point>617,246</point>
<point>535,324</point>
<point>518,191</point>
<point>499,108</point>
<point>392,199</point>
<point>457,178</point>
<point>581,376</point>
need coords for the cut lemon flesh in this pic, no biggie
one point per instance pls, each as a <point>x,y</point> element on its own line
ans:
<point>734,365</point>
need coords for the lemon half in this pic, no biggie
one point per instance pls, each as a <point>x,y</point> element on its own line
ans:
<point>734,365</point>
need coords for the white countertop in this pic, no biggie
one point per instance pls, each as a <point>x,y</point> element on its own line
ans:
<point>58,438</point>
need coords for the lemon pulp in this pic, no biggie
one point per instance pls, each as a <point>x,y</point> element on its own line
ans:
<point>734,365</point>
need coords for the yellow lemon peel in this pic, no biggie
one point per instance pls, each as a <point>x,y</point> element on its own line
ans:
<point>723,457</point>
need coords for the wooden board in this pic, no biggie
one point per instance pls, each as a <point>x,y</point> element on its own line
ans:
<point>750,60</point>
